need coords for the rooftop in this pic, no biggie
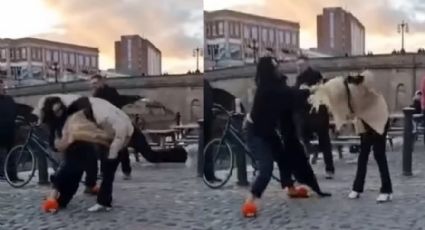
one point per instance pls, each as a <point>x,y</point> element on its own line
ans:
<point>227,12</point>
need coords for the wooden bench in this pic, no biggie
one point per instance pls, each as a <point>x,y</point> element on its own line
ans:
<point>162,135</point>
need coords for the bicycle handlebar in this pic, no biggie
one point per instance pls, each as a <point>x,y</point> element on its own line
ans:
<point>25,121</point>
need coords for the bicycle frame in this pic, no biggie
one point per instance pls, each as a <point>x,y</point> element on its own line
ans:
<point>33,139</point>
<point>232,132</point>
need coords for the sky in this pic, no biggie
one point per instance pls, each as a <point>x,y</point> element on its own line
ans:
<point>380,18</point>
<point>174,26</point>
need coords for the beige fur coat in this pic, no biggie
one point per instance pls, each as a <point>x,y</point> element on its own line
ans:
<point>368,104</point>
<point>78,128</point>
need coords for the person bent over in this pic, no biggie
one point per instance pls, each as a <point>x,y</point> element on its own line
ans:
<point>79,141</point>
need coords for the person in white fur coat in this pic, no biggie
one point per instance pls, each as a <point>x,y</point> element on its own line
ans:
<point>354,97</point>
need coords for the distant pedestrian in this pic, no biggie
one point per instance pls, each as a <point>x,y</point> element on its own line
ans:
<point>416,104</point>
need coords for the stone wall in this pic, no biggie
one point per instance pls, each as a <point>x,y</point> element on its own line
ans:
<point>175,92</point>
<point>396,76</point>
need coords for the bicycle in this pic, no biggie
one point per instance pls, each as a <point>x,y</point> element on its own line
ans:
<point>23,157</point>
<point>223,157</point>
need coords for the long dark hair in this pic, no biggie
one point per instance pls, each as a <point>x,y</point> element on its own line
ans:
<point>266,75</point>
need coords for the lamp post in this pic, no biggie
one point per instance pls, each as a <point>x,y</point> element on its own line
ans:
<point>402,28</point>
<point>55,67</point>
<point>198,52</point>
<point>254,46</point>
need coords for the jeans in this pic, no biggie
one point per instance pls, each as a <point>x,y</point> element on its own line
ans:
<point>264,151</point>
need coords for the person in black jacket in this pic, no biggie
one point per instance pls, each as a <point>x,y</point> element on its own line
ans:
<point>314,122</point>
<point>7,127</point>
<point>110,94</point>
<point>272,100</point>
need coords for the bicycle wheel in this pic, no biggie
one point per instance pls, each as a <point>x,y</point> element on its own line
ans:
<point>218,163</point>
<point>22,160</point>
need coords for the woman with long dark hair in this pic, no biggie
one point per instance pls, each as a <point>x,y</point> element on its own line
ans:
<point>272,99</point>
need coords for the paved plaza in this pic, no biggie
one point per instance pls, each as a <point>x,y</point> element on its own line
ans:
<point>169,196</point>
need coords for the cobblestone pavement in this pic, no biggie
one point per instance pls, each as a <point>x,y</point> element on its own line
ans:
<point>171,197</point>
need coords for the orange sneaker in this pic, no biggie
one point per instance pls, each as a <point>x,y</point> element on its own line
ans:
<point>249,209</point>
<point>50,205</point>
<point>300,192</point>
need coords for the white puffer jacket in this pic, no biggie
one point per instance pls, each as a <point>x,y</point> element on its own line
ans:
<point>109,118</point>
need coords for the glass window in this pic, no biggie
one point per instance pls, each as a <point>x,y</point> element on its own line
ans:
<point>93,61</point>
<point>235,51</point>
<point>3,53</point>
<point>231,28</point>
<point>24,53</point>
<point>48,53</point>
<point>287,37</point>
<point>294,39</point>
<point>72,59</point>
<point>264,35</point>
<point>214,30</point>
<point>55,56</point>
<point>254,32</point>
<point>220,28</point>
<point>237,28</point>
<point>246,32</point>
<point>281,37</point>
<point>18,53</point>
<point>87,61</point>
<point>271,35</point>
<point>80,60</point>
<point>65,58</point>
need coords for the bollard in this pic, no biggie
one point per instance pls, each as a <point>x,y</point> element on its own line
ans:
<point>408,141</point>
<point>240,153</point>
<point>43,174</point>
<point>201,146</point>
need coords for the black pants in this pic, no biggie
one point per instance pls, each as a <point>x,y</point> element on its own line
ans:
<point>173,155</point>
<point>265,154</point>
<point>104,197</point>
<point>7,138</point>
<point>369,140</point>
<point>124,158</point>
<point>79,156</point>
<point>317,123</point>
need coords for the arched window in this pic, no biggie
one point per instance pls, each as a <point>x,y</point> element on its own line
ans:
<point>400,97</point>
<point>195,110</point>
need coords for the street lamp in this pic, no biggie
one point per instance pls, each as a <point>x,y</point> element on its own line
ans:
<point>402,28</point>
<point>254,46</point>
<point>55,67</point>
<point>198,52</point>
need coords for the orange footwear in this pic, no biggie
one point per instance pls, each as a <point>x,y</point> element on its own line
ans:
<point>50,205</point>
<point>300,192</point>
<point>249,209</point>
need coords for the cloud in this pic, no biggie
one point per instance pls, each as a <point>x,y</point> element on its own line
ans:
<point>380,18</point>
<point>174,26</point>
